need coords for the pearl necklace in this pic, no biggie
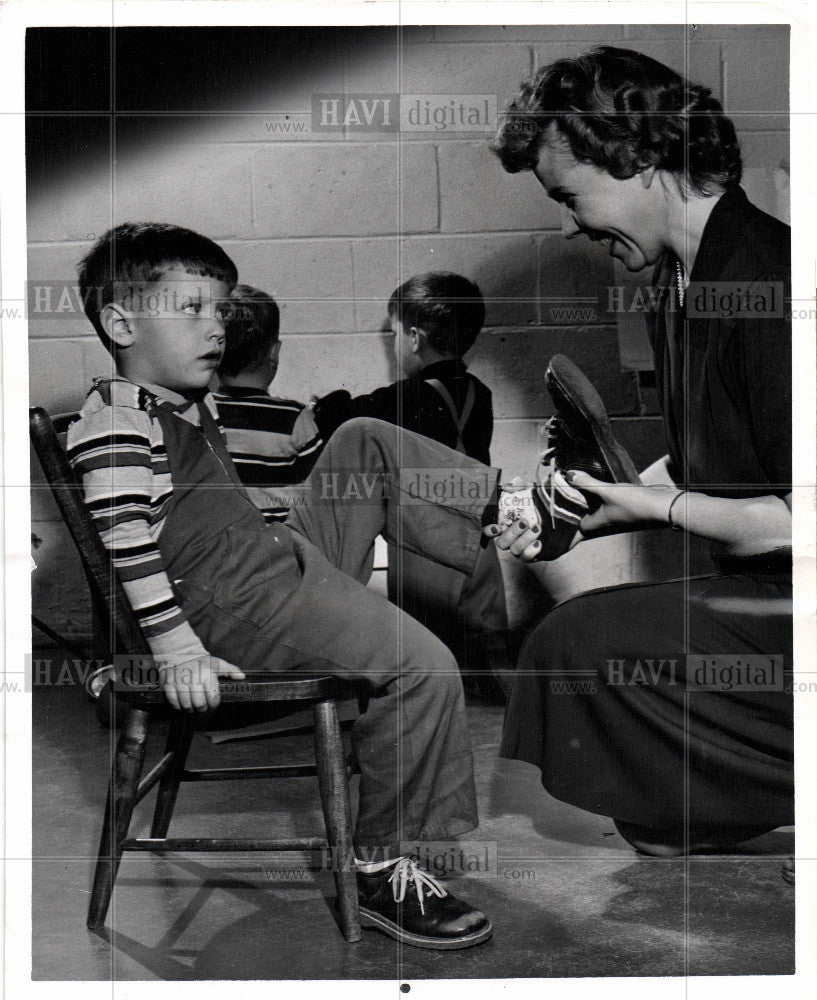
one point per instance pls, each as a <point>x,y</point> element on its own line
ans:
<point>679,277</point>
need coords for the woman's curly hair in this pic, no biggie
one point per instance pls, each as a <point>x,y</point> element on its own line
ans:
<point>624,112</point>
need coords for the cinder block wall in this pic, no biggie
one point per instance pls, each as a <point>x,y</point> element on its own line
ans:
<point>332,223</point>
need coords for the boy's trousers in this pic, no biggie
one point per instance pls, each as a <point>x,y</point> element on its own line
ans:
<point>292,597</point>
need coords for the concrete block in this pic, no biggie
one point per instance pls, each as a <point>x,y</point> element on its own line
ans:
<point>476,194</point>
<point>55,374</point>
<point>97,362</point>
<point>59,593</point>
<point>512,364</point>
<point>363,189</point>
<point>516,444</point>
<point>54,303</point>
<point>756,72</point>
<point>317,364</point>
<point>373,69</point>
<point>574,280</point>
<point>751,34</point>
<point>278,119</point>
<point>310,279</point>
<point>503,265</point>
<point>589,34</point>
<point>57,261</point>
<point>75,206</point>
<point>205,187</point>
<point>490,68</point>
<point>766,171</point>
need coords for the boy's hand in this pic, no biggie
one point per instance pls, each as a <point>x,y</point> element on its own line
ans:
<point>193,684</point>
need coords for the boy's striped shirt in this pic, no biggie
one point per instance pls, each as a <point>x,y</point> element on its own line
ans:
<point>273,443</point>
<point>118,452</point>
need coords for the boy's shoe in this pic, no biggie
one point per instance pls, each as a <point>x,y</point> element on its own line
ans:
<point>411,906</point>
<point>549,503</point>
<point>582,435</point>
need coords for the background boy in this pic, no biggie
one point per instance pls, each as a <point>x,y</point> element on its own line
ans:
<point>273,442</point>
<point>435,318</point>
<point>211,582</point>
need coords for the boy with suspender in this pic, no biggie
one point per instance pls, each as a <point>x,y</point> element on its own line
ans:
<point>435,318</point>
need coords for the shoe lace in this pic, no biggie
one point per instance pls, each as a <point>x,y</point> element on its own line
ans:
<point>406,871</point>
<point>548,462</point>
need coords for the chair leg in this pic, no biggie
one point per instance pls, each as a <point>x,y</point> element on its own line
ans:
<point>337,812</point>
<point>127,768</point>
<point>179,739</point>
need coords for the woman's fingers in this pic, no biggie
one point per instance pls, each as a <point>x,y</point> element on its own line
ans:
<point>584,481</point>
<point>516,538</point>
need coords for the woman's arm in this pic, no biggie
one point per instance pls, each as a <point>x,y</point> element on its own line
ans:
<point>742,526</point>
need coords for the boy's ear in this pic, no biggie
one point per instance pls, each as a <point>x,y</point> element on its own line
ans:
<point>116,324</point>
<point>418,339</point>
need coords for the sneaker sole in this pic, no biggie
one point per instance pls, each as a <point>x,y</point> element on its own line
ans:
<point>571,390</point>
<point>372,920</point>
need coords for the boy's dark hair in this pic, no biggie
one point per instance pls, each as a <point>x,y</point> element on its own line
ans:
<point>624,112</point>
<point>447,307</point>
<point>137,253</point>
<point>252,325</point>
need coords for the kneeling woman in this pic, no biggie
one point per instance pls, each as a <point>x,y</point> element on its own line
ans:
<point>642,158</point>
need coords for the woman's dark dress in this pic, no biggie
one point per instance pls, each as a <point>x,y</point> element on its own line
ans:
<point>613,729</point>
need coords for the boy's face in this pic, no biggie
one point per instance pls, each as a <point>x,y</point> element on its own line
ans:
<point>408,361</point>
<point>176,331</point>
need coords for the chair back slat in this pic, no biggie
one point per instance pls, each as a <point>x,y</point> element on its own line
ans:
<point>106,590</point>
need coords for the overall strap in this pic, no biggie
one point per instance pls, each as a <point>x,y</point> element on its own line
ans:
<point>213,435</point>
<point>460,419</point>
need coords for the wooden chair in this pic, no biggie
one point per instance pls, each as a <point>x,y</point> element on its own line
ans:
<point>127,784</point>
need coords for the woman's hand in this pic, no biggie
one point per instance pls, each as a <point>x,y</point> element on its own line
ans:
<point>518,538</point>
<point>622,506</point>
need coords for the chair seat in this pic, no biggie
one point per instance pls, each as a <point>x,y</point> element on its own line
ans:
<point>260,687</point>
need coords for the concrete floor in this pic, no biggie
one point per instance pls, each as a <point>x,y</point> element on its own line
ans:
<point>569,897</point>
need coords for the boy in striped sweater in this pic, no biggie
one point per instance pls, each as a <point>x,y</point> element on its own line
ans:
<point>273,442</point>
<point>214,585</point>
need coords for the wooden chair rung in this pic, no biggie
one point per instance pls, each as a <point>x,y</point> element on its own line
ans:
<point>225,845</point>
<point>243,773</point>
<point>153,776</point>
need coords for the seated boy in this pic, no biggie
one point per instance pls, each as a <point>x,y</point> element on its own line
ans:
<point>273,442</point>
<point>435,318</point>
<point>214,586</point>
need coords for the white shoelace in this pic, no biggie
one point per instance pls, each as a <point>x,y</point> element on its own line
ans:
<point>405,871</point>
<point>548,460</point>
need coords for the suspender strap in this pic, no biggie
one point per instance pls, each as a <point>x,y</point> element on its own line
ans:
<point>460,419</point>
<point>216,441</point>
